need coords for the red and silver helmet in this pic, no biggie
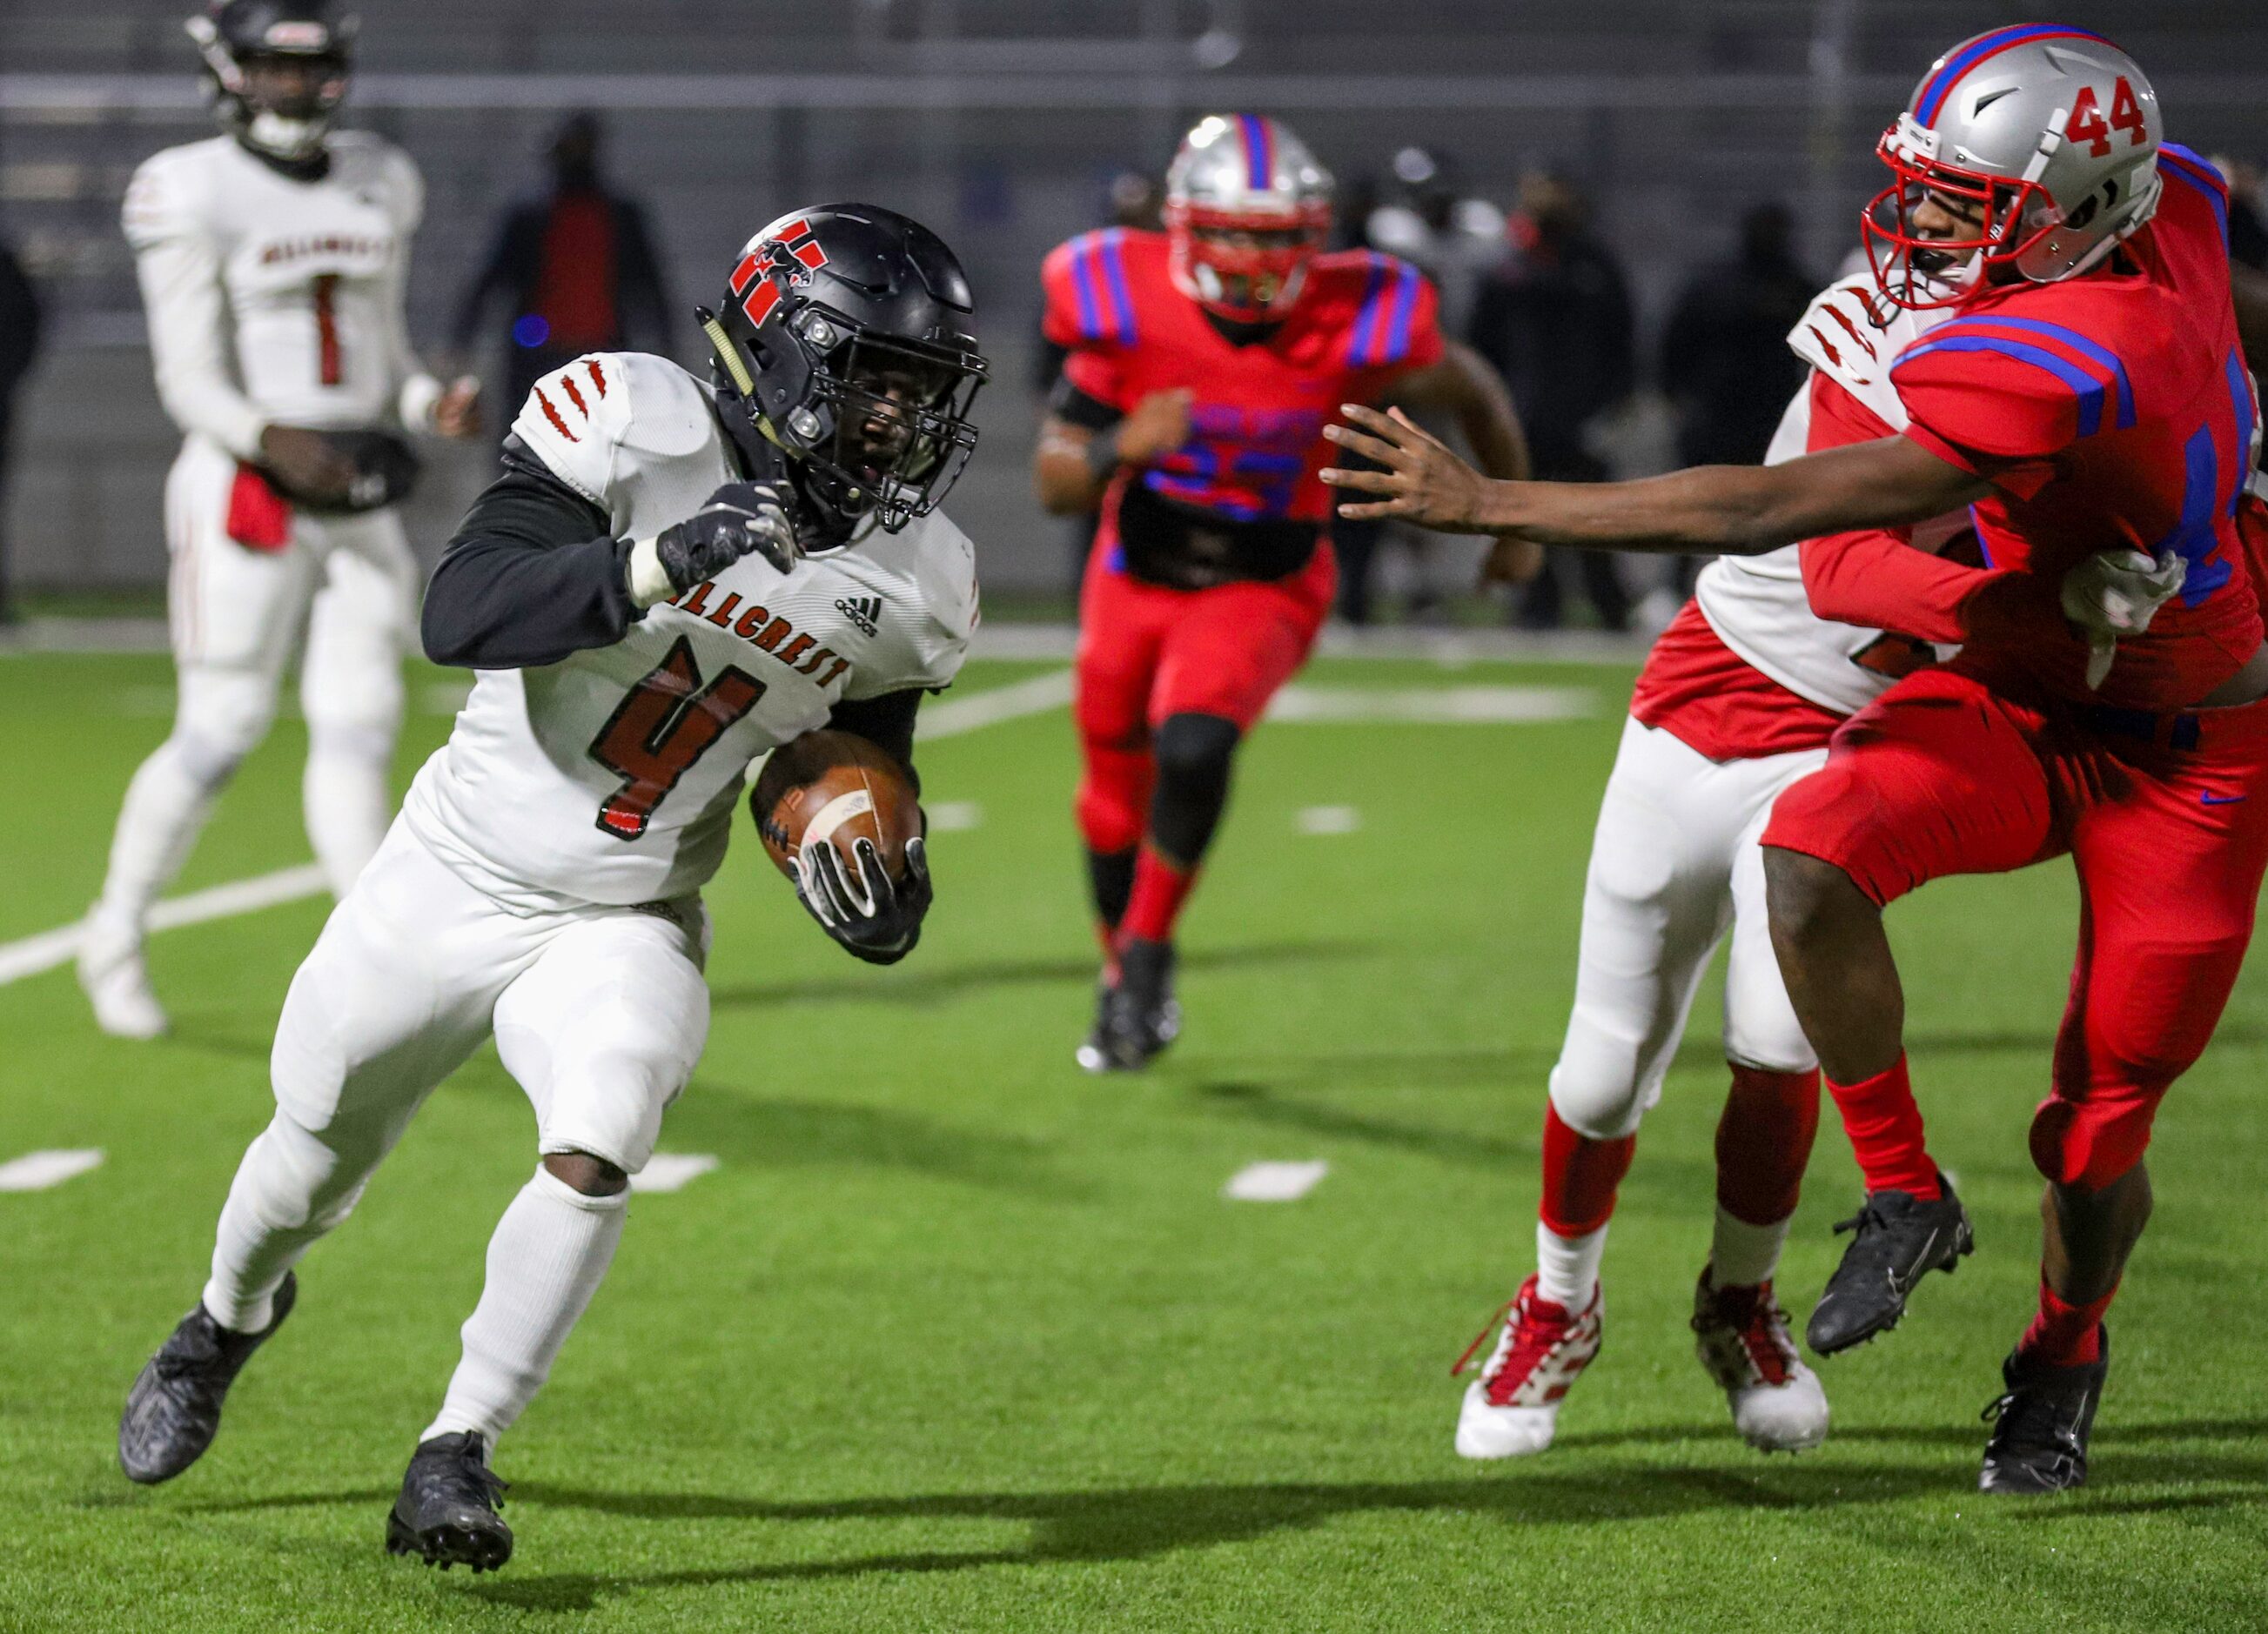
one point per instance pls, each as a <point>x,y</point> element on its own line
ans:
<point>2050,133</point>
<point>1246,208</point>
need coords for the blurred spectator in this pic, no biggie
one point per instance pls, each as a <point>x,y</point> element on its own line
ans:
<point>1555,321</point>
<point>2248,231</point>
<point>20,343</point>
<point>1725,357</point>
<point>577,269</point>
<point>1458,242</point>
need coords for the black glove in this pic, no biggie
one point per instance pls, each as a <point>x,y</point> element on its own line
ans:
<point>738,519</point>
<point>878,921</point>
<point>386,470</point>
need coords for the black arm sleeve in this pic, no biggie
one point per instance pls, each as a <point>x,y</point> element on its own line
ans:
<point>1068,403</point>
<point>887,722</point>
<point>532,574</point>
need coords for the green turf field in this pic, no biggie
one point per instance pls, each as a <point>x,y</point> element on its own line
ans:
<point>957,1337</point>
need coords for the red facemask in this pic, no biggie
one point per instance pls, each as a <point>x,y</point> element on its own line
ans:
<point>1244,283</point>
<point>1925,274</point>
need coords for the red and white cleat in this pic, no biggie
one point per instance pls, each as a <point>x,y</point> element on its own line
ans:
<point>1740,1335</point>
<point>1511,1409</point>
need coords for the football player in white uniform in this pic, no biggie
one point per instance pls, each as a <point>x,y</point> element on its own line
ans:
<point>1737,700</point>
<point>668,580</point>
<point>272,260</point>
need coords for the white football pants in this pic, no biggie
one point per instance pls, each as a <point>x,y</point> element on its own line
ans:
<point>1674,863</point>
<point>348,586</point>
<point>598,1012</point>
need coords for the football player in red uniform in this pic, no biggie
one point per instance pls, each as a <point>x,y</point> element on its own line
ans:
<point>1203,362</point>
<point>2089,393</point>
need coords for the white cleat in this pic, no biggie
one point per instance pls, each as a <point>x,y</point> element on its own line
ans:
<point>117,982</point>
<point>1742,1337</point>
<point>1513,1409</point>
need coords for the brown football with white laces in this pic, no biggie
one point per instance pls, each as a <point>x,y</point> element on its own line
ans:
<point>835,788</point>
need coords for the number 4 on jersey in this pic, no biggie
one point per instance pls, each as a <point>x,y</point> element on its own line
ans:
<point>668,721</point>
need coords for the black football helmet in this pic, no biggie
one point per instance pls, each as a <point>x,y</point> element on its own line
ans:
<point>847,341</point>
<point>234,36</point>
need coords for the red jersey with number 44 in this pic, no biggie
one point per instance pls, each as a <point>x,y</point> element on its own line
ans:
<point>2108,410</point>
<point>1255,427</point>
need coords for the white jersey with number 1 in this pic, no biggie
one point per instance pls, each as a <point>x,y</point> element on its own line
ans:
<point>613,776</point>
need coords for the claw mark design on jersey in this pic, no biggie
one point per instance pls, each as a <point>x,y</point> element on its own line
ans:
<point>794,254</point>
<point>598,375</point>
<point>575,395</point>
<point>551,413</point>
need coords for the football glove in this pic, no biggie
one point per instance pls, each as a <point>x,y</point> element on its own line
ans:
<point>874,918</point>
<point>739,518</point>
<point>2117,593</point>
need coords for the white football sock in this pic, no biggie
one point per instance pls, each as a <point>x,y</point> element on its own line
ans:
<point>1567,1268</point>
<point>548,1256</point>
<point>291,1188</point>
<point>1742,1255</point>
<point>348,804</point>
<point>164,810</point>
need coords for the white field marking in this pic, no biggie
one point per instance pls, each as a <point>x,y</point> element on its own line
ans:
<point>32,955</point>
<point>673,1170</point>
<point>1328,820</point>
<point>1275,1182</point>
<point>1433,705</point>
<point>50,948</point>
<point>953,816</point>
<point>36,1171</point>
<point>956,715</point>
<point>1450,648</point>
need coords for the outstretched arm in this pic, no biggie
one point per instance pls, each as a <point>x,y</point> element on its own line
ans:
<point>1709,509</point>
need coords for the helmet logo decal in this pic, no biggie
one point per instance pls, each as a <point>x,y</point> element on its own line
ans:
<point>794,253</point>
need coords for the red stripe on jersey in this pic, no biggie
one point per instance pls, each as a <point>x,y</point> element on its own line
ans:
<point>597,379</point>
<point>552,415</point>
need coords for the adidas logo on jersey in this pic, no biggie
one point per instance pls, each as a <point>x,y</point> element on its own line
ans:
<point>861,610</point>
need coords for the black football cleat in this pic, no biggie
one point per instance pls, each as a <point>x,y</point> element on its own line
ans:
<point>1137,1016</point>
<point>172,1412</point>
<point>2041,1426</point>
<point>447,1514</point>
<point>1901,1238</point>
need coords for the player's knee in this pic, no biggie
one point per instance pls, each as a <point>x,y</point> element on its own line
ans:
<point>1109,816</point>
<point>592,1176</point>
<point>222,718</point>
<point>2087,1144</point>
<point>1600,1093</point>
<point>1195,753</point>
<point>1807,897</point>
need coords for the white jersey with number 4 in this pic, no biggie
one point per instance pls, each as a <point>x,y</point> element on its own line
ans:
<point>276,300</point>
<point>612,775</point>
<point>1756,604</point>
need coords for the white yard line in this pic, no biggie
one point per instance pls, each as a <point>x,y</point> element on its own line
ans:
<point>1328,820</point>
<point>1275,1182</point>
<point>672,1171</point>
<point>32,954</point>
<point>36,1171</point>
<point>1455,706</point>
<point>954,816</point>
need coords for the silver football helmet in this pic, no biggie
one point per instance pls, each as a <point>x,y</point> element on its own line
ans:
<point>2047,136</point>
<point>1246,208</point>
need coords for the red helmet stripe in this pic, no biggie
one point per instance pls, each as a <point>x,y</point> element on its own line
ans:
<point>760,301</point>
<point>745,271</point>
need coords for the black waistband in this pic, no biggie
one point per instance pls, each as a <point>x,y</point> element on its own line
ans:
<point>1186,549</point>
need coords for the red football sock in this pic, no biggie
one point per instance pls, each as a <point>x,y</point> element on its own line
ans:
<point>1763,1140</point>
<point>1884,1124</point>
<point>2064,1336</point>
<point>1579,1176</point>
<point>1160,890</point>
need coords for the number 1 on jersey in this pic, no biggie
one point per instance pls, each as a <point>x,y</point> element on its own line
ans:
<point>666,722</point>
<point>328,368</point>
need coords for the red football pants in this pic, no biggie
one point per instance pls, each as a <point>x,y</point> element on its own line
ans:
<point>2166,819</point>
<point>1146,653</point>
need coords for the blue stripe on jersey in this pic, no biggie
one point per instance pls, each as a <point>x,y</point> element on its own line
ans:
<point>2240,399</point>
<point>2089,389</point>
<point>1082,283</point>
<point>2073,338</point>
<point>2195,174</point>
<point>1363,339</point>
<point>1405,307</point>
<point>1122,298</point>
<point>2192,538</point>
<point>2196,160</point>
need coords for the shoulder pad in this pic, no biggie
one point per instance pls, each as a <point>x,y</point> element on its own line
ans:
<point>1850,335</point>
<point>372,156</point>
<point>1089,290</point>
<point>932,633</point>
<point>167,196</point>
<point>1387,304</point>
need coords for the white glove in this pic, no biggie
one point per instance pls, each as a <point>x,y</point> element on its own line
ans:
<point>2117,593</point>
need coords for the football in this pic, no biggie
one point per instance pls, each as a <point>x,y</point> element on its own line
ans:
<point>836,787</point>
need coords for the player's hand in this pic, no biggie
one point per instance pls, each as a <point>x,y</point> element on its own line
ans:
<point>2117,593</point>
<point>1159,425</point>
<point>307,463</point>
<point>1424,482</point>
<point>873,917</point>
<point>457,411</point>
<point>739,518</point>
